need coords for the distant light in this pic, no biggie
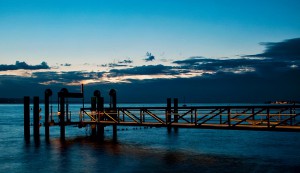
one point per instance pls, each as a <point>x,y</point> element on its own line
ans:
<point>294,66</point>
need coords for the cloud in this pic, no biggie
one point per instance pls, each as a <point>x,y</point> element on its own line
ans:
<point>220,87</point>
<point>23,65</point>
<point>112,65</point>
<point>192,61</point>
<point>143,70</point>
<point>68,78</point>
<point>215,65</point>
<point>241,65</point>
<point>150,57</point>
<point>123,63</point>
<point>67,65</point>
<point>128,61</point>
<point>203,67</point>
<point>249,78</point>
<point>286,50</point>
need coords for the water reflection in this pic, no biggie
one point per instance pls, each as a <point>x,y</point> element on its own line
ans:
<point>85,154</point>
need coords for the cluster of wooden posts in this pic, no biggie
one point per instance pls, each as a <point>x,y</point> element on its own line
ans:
<point>97,104</point>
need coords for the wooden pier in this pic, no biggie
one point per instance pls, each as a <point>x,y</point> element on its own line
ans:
<point>265,117</point>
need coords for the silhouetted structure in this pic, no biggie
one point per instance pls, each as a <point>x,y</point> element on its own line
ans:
<point>36,119</point>
<point>48,94</point>
<point>269,117</point>
<point>27,118</point>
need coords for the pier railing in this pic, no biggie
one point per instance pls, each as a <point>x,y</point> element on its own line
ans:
<point>262,117</point>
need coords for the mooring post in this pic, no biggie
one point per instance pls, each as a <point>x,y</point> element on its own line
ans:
<point>100,109</point>
<point>62,94</point>
<point>27,118</point>
<point>268,117</point>
<point>48,93</point>
<point>67,110</point>
<point>82,91</point>
<point>62,118</point>
<point>36,119</point>
<point>229,117</point>
<point>168,114</point>
<point>176,113</point>
<point>93,109</point>
<point>100,117</point>
<point>113,97</point>
<point>113,106</point>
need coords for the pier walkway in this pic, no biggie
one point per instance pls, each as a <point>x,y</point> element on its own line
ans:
<point>267,117</point>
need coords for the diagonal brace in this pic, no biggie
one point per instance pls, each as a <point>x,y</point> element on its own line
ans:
<point>284,121</point>
<point>181,116</point>
<point>154,116</point>
<point>221,111</point>
<point>249,117</point>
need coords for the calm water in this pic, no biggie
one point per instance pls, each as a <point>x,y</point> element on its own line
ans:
<point>145,149</point>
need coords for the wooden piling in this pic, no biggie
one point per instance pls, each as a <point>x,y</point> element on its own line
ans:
<point>93,109</point>
<point>36,119</point>
<point>268,118</point>
<point>113,97</point>
<point>47,118</point>
<point>62,117</point>
<point>113,107</point>
<point>229,117</point>
<point>27,118</point>
<point>168,113</point>
<point>176,113</point>
<point>48,93</point>
<point>100,108</point>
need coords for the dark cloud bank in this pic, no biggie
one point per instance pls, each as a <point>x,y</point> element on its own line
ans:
<point>286,50</point>
<point>271,75</point>
<point>23,65</point>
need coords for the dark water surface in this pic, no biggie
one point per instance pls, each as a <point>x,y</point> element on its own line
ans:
<point>145,149</point>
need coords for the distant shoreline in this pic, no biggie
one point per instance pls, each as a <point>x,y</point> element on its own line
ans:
<point>11,100</point>
<point>21,101</point>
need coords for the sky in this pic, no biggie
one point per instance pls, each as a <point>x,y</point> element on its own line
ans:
<point>200,51</point>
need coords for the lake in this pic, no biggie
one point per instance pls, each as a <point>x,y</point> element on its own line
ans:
<point>144,149</point>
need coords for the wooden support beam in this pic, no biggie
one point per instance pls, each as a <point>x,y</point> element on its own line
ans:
<point>100,109</point>
<point>93,111</point>
<point>48,93</point>
<point>229,117</point>
<point>113,107</point>
<point>181,116</point>
<point>239,114</point>
<point>168,114</point>
<point>27,118</point>
<point>36,119</point>
<point>176,113</point>
<point>268,117</point>
<point>62,118</point>
<point>243,120</point>
<point>206,114</point>
<point>219,113</point>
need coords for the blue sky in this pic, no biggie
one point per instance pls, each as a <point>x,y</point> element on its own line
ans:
<point>94,35</point>
<point>95,31</point>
